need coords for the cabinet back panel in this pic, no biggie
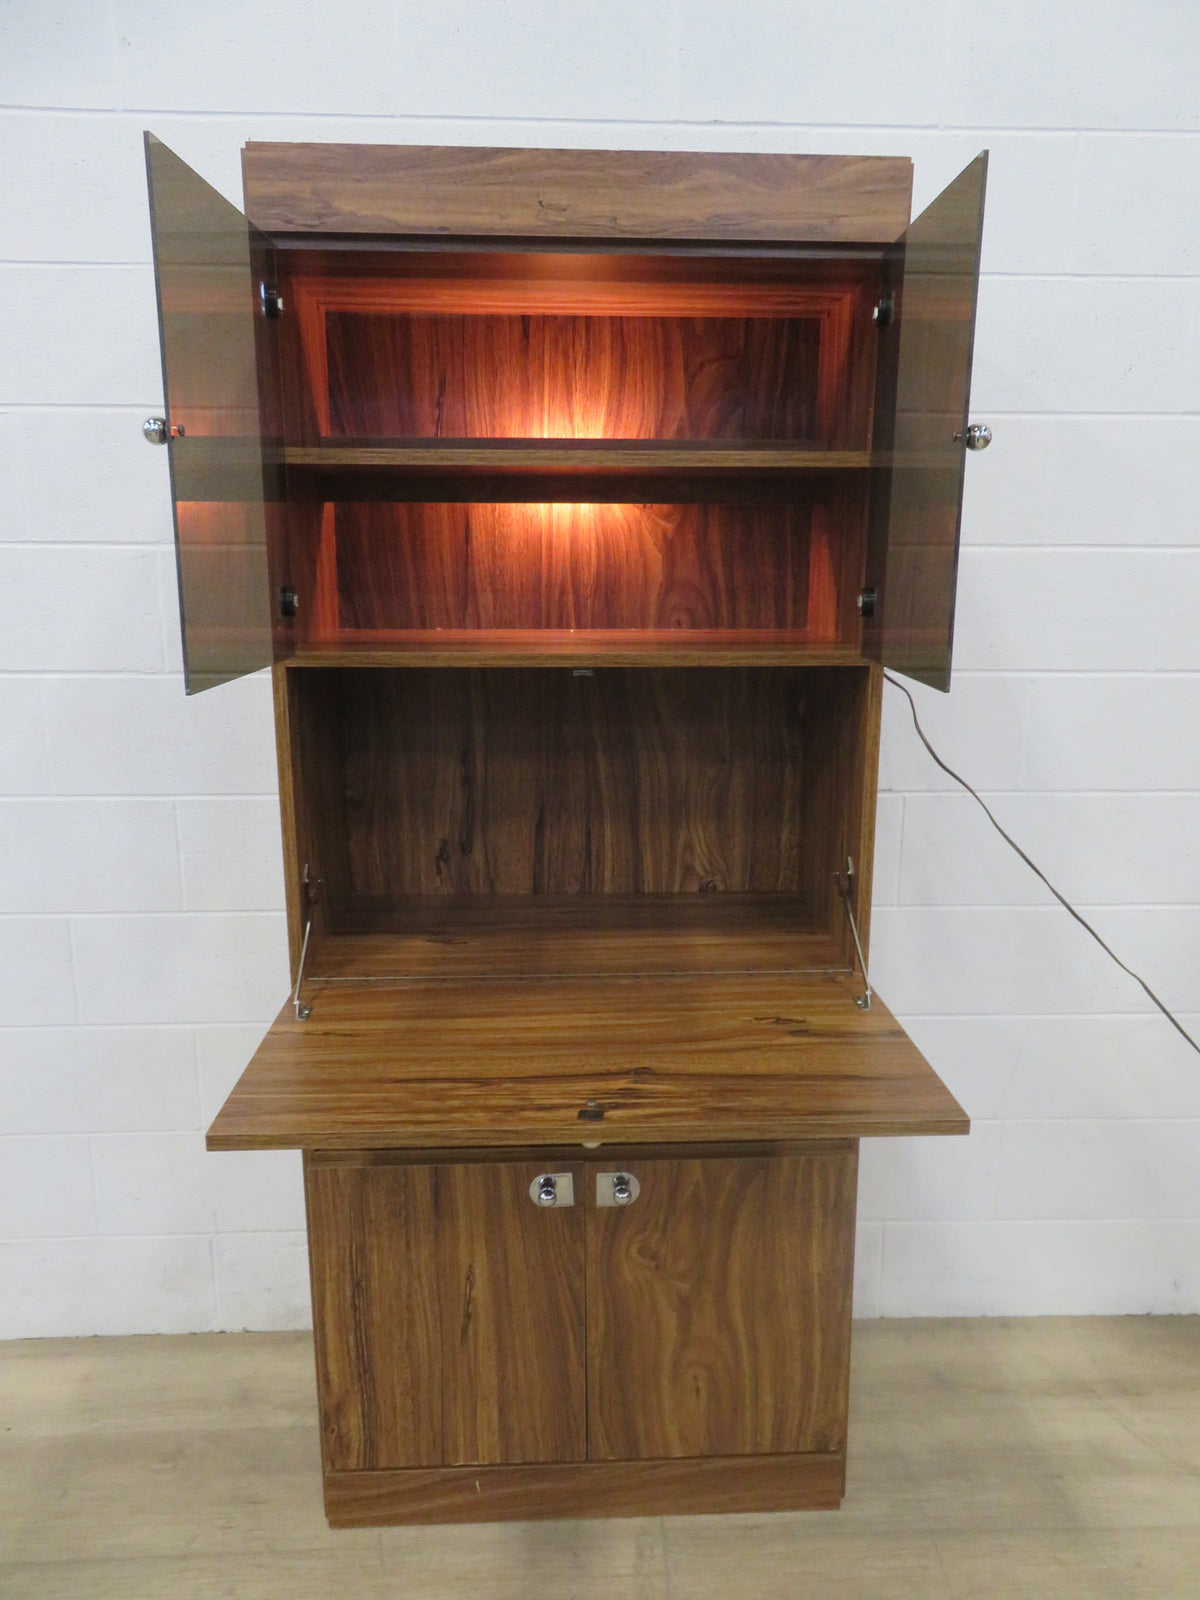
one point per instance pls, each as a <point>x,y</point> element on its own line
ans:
<point>414,566</point>
<point>581,377</point>
<point>545,783</point>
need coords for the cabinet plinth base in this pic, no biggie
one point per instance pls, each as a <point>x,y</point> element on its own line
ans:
<point>810,1482</point>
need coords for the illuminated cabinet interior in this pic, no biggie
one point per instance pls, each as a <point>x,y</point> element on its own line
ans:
<point>576,501</point>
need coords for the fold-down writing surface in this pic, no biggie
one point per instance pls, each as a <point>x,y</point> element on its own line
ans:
<point>706,1056</point>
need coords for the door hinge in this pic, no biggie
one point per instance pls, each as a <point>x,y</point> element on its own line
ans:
<point>289,602</point>
<point>885,312</point>
<point>866,602</point>
<point>270,300</point>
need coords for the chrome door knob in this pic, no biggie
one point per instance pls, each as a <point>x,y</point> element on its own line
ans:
<point>155,430</point>
<point>979,436</point>
<point>622,1189</point>
<point>553,1189</point>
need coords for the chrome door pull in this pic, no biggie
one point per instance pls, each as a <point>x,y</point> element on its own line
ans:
<point>553,1189</point>
<point>616,1188</point>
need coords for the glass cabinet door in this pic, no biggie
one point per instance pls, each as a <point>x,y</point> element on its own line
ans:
<point>920,442</point>
<point>213,273</point>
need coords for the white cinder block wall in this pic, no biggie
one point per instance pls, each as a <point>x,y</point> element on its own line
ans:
<point>141,934</point>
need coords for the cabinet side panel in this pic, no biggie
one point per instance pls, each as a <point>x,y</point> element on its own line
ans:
<point>317,784</point>
<point>865,803</point>
<point>719,1309</point>
<point>292,867</point>
<point>838,824</point>
<point>376,1315</point>
<point>511,1285</point>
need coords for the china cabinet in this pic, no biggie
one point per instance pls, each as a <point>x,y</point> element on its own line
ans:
<point>576,500</point>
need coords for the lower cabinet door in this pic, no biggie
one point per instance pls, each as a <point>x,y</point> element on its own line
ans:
<point>718,1306</point>
<point>448,1311</point>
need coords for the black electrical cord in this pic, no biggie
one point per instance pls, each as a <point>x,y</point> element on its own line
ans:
<point>1034,868</point>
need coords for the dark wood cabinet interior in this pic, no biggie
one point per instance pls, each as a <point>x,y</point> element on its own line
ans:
<point>576,499</point>
<point>487,446</point>
<point>670,796</point>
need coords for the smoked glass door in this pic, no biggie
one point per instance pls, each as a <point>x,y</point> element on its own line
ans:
<point>216,325</point>
<point>920,438</point>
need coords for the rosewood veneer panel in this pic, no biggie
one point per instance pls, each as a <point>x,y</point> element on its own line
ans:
<point>711,1056</point>
<point>586,1489</point>
<point>531,377</point>
<point>701,1296</point>
<point>423,1278</point>
<point>574,194</point>
<point>512,1284</point>
<point>377,1329</point>
<point>595,566</point>
<point>544,783</point>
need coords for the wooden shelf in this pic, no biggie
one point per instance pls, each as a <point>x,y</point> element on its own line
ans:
<point>563,455</point>
<point>557,647</point>
<point>583,470</point>
<point>510,1062</point>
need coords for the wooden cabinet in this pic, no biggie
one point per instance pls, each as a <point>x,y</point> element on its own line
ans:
<point>576,500</point>
<point>463,1319</point>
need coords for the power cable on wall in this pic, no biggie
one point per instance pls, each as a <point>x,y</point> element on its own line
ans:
<point>1034,868</point>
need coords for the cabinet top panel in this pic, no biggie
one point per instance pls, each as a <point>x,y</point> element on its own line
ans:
<point>692,1058</point>
<point>454,191</point>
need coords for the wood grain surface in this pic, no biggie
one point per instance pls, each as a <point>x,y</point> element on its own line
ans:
<point>376,1316</point>
<point>574,566</point>
<point>543,471</point>
<point>554,455</point>
<point>543,783</point>
<point>512,1288</point>
<point>578,347</point>
<point>586,1489</point>
<point>573,194</point>
<point>531,377</point>
<point>573,647</point>
<point>450,938</point>
<point>718,1307</point>
<point>426,1282</point>
<point>710,1056</point>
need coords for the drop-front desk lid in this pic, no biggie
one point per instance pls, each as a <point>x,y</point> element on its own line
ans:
<point>515,1061</point>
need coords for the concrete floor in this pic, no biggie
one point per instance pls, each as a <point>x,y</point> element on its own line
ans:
<point>1056,1459</point>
